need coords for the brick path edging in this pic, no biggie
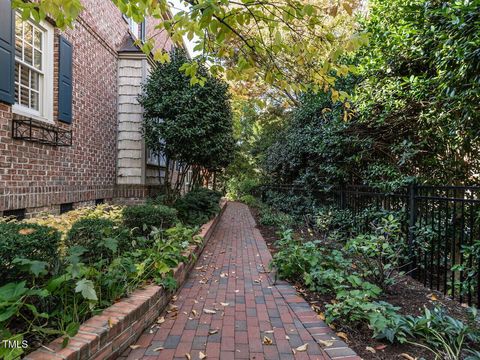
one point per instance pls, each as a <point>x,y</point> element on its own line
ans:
<point>107,335</point>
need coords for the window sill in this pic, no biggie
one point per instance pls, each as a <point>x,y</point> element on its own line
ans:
<point>18,110</point>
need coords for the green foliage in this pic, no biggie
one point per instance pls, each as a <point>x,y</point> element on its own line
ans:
<point>275,43</point>
<point>158,261</point>
<point>250,200</point>
<point>290,202</point>
<point>237,188</point>
<point>446,337</point>
<point>199,116</point>
<point>293,257</point>
<point>101,238</point>
<point>379,254</point>
<point>198,206</point>
<point>271,217</point>
<point>28,241</point>
<point>331,218</point>
<point>143,218</point>
<point>414,110</point>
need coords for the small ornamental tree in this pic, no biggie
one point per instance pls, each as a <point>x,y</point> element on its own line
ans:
<point>188,123</point>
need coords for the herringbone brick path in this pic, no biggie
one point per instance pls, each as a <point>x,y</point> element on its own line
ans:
<point>230,308</point>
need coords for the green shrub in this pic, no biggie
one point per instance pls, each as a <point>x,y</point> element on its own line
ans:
<point>270,217</point>
<point>290,202</point>
<point>101,238</point>
<point>380,254</point>
<point>29,241</point>
<point>143,218</point>
<point>250,200</point>
<point>237,188</point>
<point>198,206</point>
<point>446,337</point>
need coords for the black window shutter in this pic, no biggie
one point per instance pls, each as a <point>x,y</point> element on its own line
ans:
<point>65,81</point>
<point>143,32</point>
<point>7,52</point>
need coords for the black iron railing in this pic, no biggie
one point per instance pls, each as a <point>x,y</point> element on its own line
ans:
<point>441,227</point>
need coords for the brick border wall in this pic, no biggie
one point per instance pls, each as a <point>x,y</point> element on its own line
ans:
<point>107,335</point>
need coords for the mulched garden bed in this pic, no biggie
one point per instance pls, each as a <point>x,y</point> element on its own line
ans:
<point>410,295</point>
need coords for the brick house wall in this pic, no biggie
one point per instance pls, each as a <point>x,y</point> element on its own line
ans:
<point>39,177</point>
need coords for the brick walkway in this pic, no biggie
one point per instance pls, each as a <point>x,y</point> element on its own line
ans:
<point>230,278</point>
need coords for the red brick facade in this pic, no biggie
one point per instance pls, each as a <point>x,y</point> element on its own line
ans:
<point>36,176</point>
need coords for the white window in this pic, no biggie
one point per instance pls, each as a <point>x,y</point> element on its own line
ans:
<point>33,69</point>
<point>156,160</point>
<point>134,28</point>
<point>137,30</point>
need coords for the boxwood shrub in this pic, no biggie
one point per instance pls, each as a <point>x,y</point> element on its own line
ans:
<point>142,218</point>
<point>29,241</point>
<point>198,206</point>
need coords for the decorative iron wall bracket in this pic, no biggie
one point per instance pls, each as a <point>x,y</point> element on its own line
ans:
<point>36,131</point>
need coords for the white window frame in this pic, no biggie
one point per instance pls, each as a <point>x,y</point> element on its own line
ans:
<point>45,112</point>
<point>133,27</point>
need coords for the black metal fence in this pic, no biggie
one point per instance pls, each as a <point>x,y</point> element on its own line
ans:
<point>441,226</point>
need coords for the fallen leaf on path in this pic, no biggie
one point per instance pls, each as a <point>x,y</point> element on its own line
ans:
<point>321,316</point>
<point>110,323</point>
<point>194,312</point>
<point>208,311</point>
<point>287,337</point>
<point>380,347</point>
<point>268,332</point>
<point>222,275</point>
<point>342,335</point>
<point>224,304</point>
<point>301,348</point>
<point>159,348</point>
<point>372,350</point>
<point>174,298</point>
<point>133,347</point>
<point>212,332</point>
<point>188,356</point>
<point>432,297</point>
<point>408,357</point>
<point>201,355</point>
<point>326,343</point>
<point>199,268</point>
<point>267,341</point>
<point>161,320</point>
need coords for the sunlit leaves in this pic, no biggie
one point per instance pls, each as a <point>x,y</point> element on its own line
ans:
<point>283,43</point>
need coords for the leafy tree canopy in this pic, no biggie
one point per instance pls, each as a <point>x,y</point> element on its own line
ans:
<point>292,45</point>
<point>415,105</point>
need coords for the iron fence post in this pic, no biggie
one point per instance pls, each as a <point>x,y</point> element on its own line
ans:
<point>343,200</point>
<point>412,219</point>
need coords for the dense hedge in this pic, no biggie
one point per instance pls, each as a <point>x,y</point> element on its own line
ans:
<point>143,217</point>
<point>198,206</point>
<point>29,241</point>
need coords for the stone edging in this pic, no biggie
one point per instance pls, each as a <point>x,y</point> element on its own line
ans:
<point>107,335</point>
